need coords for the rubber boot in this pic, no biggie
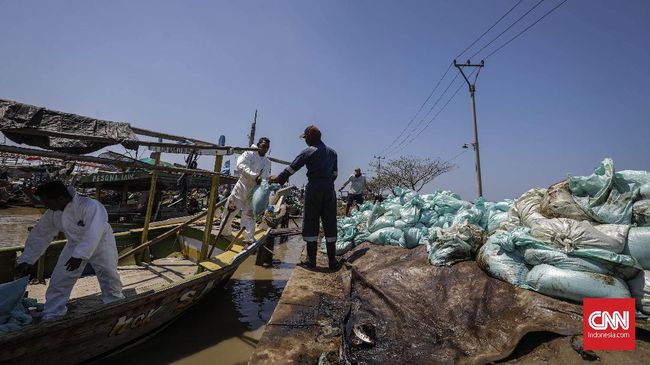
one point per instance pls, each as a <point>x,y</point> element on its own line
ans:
<point>310,263</point>
<point>331,256</point>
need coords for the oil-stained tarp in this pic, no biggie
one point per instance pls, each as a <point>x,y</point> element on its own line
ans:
<point>416,313</point>
<point>14,115</point>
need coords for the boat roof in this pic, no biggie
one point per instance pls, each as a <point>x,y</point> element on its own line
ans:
<point>37,126</point>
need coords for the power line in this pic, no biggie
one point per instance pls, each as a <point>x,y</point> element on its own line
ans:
<point>458,155</point>
<point>508,28</point>
<point>525,29</point>
<point>391,149</point>
<point>422,120</point>
<point>489,29</point>
<point>419,110</point>
<point>428,112</point>
<point>388,148</point>
<point>434,117</point>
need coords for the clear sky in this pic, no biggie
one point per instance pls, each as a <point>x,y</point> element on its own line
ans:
<point>572,90</point>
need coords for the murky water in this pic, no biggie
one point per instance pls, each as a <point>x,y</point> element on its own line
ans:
<point>224,327</point>
<point>14,224</point>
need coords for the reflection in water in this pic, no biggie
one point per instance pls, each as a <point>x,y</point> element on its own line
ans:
<point>224,327</point>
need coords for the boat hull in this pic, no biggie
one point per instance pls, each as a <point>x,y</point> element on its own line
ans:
<point>76,339</point>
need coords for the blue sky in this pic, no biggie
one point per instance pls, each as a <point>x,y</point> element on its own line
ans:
<point>569,92</point>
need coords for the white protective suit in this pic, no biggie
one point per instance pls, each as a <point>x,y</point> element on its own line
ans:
<point>250,165</point>
<point>84,222</point>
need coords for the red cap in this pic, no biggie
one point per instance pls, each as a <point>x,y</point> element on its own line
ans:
<point>312,131</point>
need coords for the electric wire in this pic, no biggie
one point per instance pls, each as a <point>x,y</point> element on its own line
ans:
<point>508,28</point>
<point>434,117</point>
<point>525,29</point>
<point>406,138</point>
<point>392,149</point>
<point>489,29</point>
<point>392,144</point>
<point>419,110</point>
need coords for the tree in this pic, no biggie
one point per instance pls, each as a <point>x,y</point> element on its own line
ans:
<point>408,172</point>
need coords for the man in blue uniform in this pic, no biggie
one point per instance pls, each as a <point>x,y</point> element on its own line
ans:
<point>320,196</point>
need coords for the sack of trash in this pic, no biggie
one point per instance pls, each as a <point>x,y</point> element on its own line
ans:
<point>638,245</point>
<point>559,259</point>
<point>575,285</point>
<point>448,246</point>
<point>570,234</point>
<point>619,266</point>
<point>387,236</point>
<point>641,213</point>
<point>608,196</point>
<point>14,309</point>
<point>559,203</point>
<point>640,290</point>
<point>10,294</point>
<point>261,194</point>
<point>501,264</point>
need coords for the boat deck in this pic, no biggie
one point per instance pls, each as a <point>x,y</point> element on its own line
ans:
<point>135,280</point>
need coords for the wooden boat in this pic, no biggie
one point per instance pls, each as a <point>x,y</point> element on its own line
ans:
<point>163,269</point>
<point>156,293</point>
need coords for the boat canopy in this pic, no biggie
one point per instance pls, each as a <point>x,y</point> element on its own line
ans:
<point>56,131</point>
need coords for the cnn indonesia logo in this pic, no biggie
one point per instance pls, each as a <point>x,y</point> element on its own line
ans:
<point>609,324</point>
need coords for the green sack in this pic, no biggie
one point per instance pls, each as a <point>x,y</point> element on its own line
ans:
<point>575,285</point>
<point>638,245</point>
<point>10,294</point>
<point>501,264</point>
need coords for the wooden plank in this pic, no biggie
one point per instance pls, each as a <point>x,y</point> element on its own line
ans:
<point>147,218</point>
<point>281,162</point>
<point>99,160</point>
<point>201,150</point>
<point>153,146</point>
<point>210,216</point>
<point>146,132</point>
<point>170,232</point>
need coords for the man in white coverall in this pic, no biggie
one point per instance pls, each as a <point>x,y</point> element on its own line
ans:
<point>84,221</point>
<point>253,166</point>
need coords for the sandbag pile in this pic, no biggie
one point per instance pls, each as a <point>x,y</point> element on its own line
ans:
<point>587,236</point>
<point>452,229</point>
<point>584,237</point>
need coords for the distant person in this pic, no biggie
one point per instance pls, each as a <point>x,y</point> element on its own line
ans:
<point>84,222</point>
<point>320,195</point>
<point>253,166</point>
<point>358,186</point>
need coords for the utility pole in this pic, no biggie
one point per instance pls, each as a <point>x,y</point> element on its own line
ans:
<point>379,158</point>
<point>472,91</point>
<point>251,136</point>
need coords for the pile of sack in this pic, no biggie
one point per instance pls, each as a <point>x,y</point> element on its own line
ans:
<point>445,223</point>
<point>583,237</point>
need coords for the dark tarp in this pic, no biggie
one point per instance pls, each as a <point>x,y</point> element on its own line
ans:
<point>389,305</point>
<point>15,115</point>
<point>423,314</point>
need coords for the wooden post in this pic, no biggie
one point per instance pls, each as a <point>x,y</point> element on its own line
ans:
<point>125,194</point>
<point>147,218</point>
<point>40,270</point>
<point>210,216</point>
